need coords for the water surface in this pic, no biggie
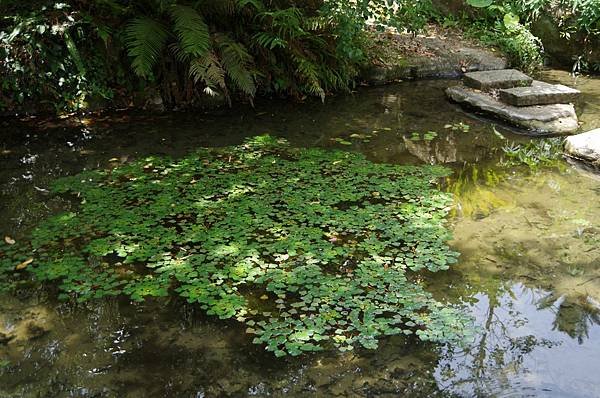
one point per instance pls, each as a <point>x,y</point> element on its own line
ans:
<point>529,271</point>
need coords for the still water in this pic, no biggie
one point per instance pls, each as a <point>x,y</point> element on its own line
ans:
<point>529,271</point>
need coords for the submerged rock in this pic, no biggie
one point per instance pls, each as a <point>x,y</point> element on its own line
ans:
<point>585,146</point>
<point>5,338</point>
<point>538,120</point>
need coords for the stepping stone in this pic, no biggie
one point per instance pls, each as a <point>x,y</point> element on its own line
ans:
<point>585,146</point>
<point>538,120</point>
<point>539,93</point>
<point>493,79</point>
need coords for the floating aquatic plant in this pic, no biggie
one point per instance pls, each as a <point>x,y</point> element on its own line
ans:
<point>460,126</point>
<point>309,248</point>
<point>427,136</point>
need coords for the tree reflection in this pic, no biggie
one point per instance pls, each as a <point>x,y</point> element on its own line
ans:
<point>575,315</point>
<point>499,354</point>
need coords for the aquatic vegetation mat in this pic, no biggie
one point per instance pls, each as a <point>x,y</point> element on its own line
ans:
<point>309,248</point>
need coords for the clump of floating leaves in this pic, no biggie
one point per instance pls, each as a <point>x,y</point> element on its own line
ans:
<point>309,248</point>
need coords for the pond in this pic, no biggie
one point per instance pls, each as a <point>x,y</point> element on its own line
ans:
<point>529,271</point>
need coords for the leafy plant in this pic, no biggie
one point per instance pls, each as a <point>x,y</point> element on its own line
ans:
<point>499,24</point>
<point>50,59</point>
<point>309,248</point>
<point>535,153</point>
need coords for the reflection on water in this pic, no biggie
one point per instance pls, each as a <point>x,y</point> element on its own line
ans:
<point>529,271</point>
<point>523,349</point>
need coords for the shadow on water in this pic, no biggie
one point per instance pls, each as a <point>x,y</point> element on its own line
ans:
<point>529,269</point>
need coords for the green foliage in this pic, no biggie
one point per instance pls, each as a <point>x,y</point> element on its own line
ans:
<point>67,53</point>
<point>574,15</point>
<point>50,59</point>
<point>145,39</point>
<point>547,152</point>
<point>405,15</point>
<point>310,248</point>
<point>505,23</point>
<point>499,25</point>
<point>480,3</point>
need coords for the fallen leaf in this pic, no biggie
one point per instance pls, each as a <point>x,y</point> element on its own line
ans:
<point>9,240</point>
<point>24,264</point>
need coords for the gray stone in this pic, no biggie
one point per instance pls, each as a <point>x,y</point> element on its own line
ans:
<point>445,58</point>
<point>562,49</point>
<point>585,146</point>
<point>493,79</point>
<point>539,93</point>
<point>539,120</point>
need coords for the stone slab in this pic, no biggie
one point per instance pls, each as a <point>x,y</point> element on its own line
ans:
<point>585,146</point>
<point>538,120</point>
<point>539,93</point>
<point>436,56</point>
<point>495,79</point>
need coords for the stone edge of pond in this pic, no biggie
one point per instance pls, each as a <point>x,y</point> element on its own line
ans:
<point>434,57</point>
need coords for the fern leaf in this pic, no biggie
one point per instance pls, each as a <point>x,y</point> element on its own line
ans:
<point>309,72</point>
<point>75,56</point>
<point>268,40</point>
<point>145,39</point>
<point>209,71</point>
<point>191,30</point>
<point>237,63</point>
<point>257,4</point>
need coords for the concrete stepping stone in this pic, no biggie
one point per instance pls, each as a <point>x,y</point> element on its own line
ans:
<point>495,79</point>
<point>538,120</point>
<point>539,93</point>
<point>585,146</point>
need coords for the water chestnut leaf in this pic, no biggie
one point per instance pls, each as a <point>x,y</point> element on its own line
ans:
<point>314,245</point>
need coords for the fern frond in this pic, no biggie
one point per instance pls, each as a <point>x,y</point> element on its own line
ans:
<point>287,22</point>
<point>309,72</point>
<point>317,23</point>
<point>74,53</point>
<point>191,30</point>
<point>237,62</point>
<point>145,39</point>
<point>268,40</point>
<point>208,70</point>
<point>257,4</point>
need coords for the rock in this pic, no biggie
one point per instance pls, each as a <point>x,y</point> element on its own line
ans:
<point>35,330</point>
<point>538,120</point>
<point>493,79</point>
<point>563,50</point>
<point>431,56</point>
<point>155,103</point>
<point>5,338</point>
<point>585,146</point>
<point>539,93</point>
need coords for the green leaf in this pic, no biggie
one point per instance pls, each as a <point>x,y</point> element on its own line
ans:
<point>145,39</point>
<point>480,3</point>
<point>191,31</point>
